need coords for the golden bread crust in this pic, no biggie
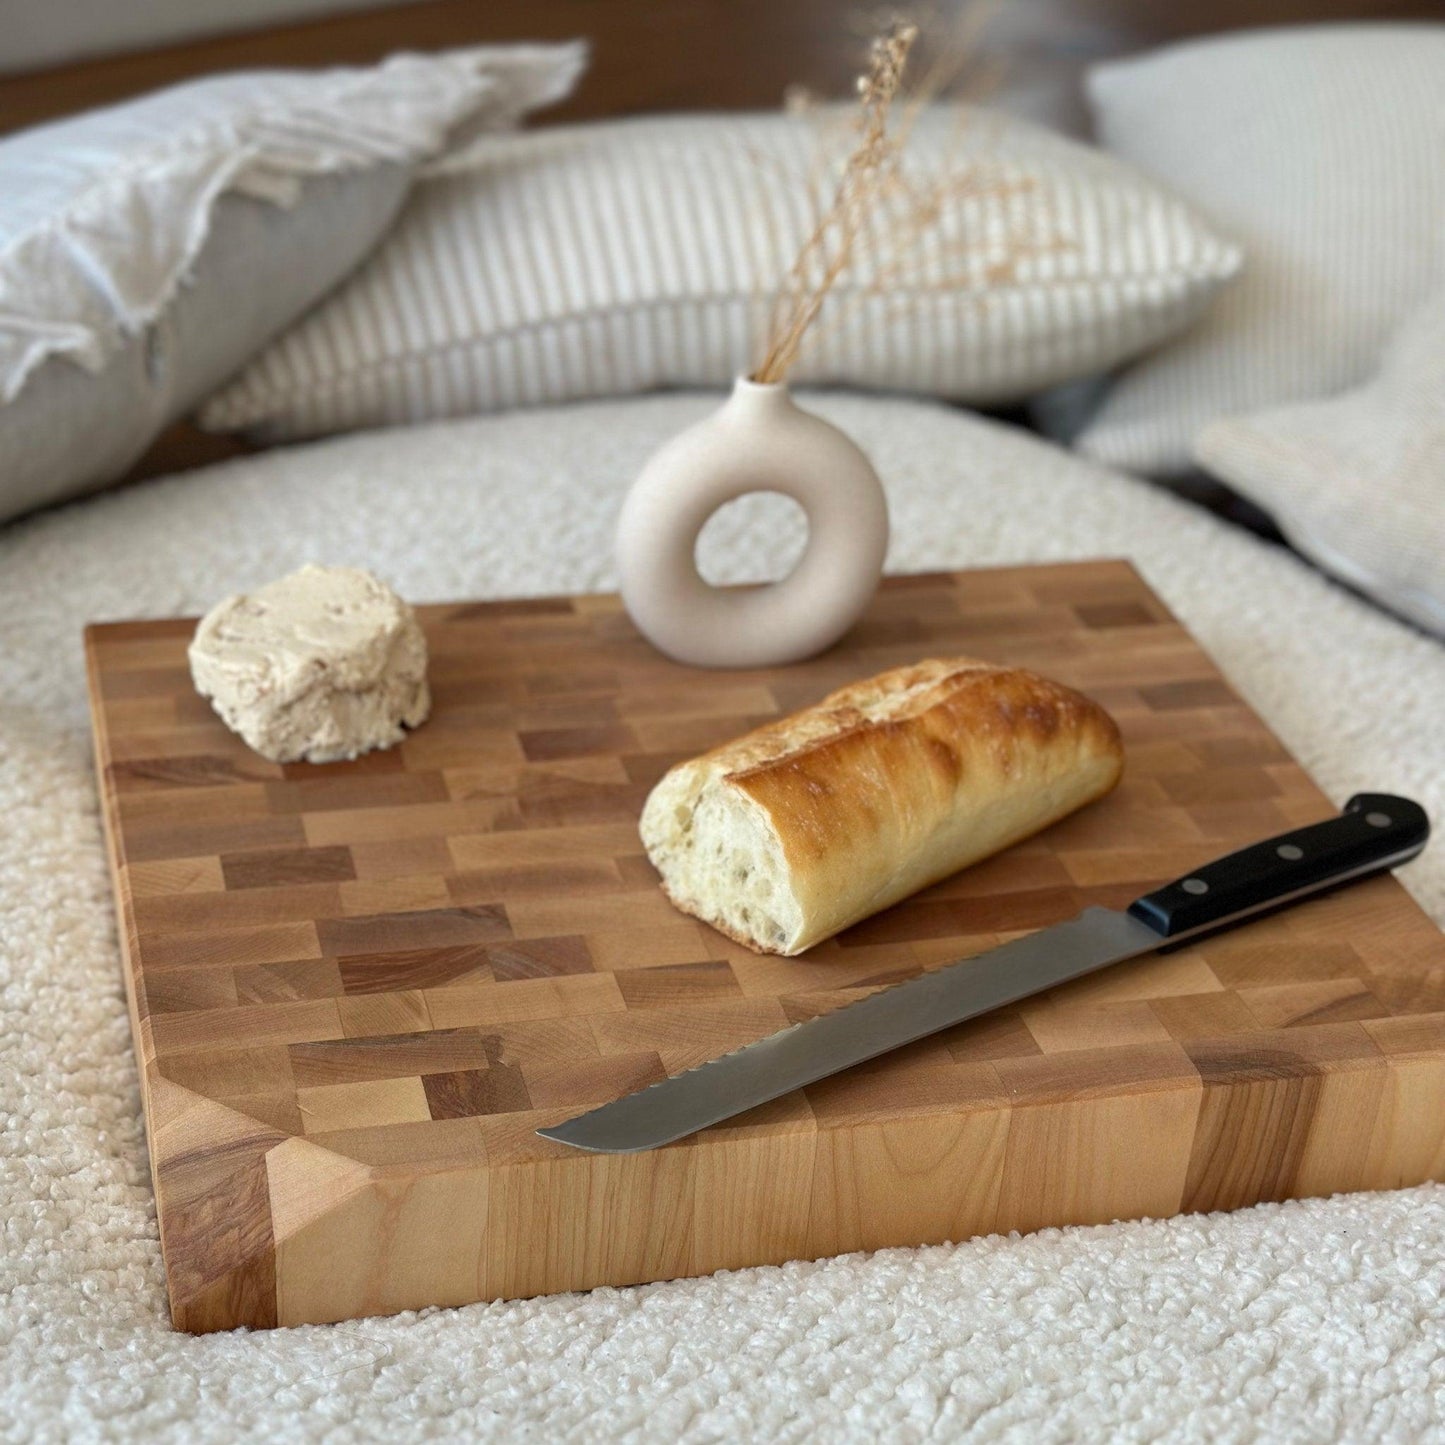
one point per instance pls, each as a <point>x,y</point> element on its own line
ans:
<point>893,782</point>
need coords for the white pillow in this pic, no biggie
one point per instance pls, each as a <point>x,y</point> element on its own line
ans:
<point>610,258</point>
<point>147,250</point>
<point>1322,151</point>
<point>1358,482</point>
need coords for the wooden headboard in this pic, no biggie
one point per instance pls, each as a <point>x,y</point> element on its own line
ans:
<point>650,55</point>
<point>677,54</point>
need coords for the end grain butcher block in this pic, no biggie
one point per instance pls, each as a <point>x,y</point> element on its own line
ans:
<point>358,989</point>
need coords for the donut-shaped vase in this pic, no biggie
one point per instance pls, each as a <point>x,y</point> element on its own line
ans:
<point>759,441</point>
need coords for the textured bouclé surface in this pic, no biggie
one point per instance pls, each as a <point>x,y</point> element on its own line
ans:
<point>1302,1322</point>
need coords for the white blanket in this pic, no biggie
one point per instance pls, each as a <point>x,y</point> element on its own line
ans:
<point>1300,1322</point>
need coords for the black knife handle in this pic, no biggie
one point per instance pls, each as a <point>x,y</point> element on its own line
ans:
<point>1377,831</point>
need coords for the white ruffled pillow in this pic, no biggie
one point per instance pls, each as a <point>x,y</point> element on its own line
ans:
<point>147,250</point>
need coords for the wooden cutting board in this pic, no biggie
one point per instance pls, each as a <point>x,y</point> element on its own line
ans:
<point>358,989</point>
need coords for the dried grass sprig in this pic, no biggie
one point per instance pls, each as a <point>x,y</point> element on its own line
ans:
<point>878,221</point>
<point>828,250</point>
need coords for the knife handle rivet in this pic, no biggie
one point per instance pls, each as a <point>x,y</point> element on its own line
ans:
<point>1378,820</point>
<point>1195,886</point>
<point>1290,852</point>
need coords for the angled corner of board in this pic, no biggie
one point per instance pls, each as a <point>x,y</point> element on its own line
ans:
<point>228,1189</point>
<point>307,1182</point>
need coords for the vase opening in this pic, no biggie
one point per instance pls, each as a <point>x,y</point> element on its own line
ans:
<point>750,385</point>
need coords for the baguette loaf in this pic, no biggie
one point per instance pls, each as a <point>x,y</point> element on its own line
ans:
<point>809,824</point>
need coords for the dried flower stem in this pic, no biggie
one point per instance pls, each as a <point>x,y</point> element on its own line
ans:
<point>828,250</point>
<point>877,225</point>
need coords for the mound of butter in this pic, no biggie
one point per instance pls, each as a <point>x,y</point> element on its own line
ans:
<point>324,664</point>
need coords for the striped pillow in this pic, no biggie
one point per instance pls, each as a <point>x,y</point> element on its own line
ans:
<point>618,257</point>
<point>1322,150</point>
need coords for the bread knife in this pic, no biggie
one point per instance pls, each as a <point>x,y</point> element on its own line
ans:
<point>1376,832</point>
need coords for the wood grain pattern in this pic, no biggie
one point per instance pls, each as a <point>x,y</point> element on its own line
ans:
<point>358,989</point>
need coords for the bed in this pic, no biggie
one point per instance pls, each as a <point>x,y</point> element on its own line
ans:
<point>1058,1335</point>
<point>1303,1321</point>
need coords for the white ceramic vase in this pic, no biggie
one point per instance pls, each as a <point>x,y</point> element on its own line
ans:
<point>759,441</point>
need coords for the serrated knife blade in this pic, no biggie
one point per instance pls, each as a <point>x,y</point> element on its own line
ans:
<point>1375,832</point>
<point>855,1033</point>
